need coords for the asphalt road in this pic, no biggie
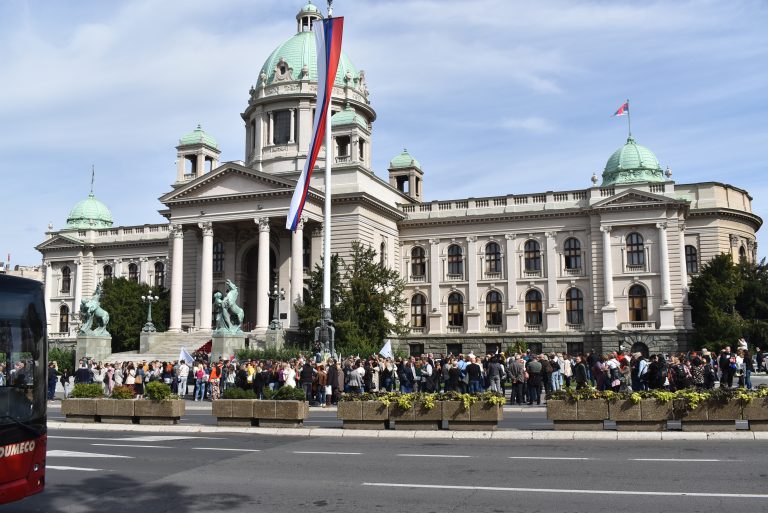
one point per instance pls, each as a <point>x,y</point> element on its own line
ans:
<point>128,471</point>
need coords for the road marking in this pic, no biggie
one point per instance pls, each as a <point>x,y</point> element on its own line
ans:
<point>137,438</point>
<point>578,491</point>
<point>333,453</point>
<point>546,458</point>
<point>82,469</point>
<point>75,454</point>
<point>435,455</point>
<point>224,449</point>
<point>130,445</point>
<point>677,460</point>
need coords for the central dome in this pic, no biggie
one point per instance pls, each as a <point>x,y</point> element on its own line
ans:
<point>632,163</point>
<point>89,213</point>
<point>288,60</point>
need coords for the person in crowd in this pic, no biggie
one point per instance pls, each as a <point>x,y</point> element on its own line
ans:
<point>580,375</point>
<point>475,373</point>
<point>321,382</point>
<point>306,378</point>
<point>496,374</point>
<point>289,376</point>
<point>534,370</point>
<point>517,377</point>
<point>356,383</point>
<point>53,377</point>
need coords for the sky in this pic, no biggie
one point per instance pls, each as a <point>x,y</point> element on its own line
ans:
<point>493,97</point>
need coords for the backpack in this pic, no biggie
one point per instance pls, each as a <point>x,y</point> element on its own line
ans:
<point>555,365</point>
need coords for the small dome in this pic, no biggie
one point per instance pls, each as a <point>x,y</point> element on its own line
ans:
<point>632,163</point>
<point>404,160</point>
<point>348,116</point>
<point>89,213</point>
<point>198,136</point>
<point>309,8</point>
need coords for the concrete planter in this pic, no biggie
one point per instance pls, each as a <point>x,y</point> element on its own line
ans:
<point>418,417</point>
<point>115,411</point>
<point>481,415</point>
<point>628,417</point>
<point>263,413</point>
<point>80,410</point>
<point>709,416</point>
<point>158,412</point>
<point>560,410</point>
<point>756,412</point>
<point>586,415</point>
<point>362,414</point>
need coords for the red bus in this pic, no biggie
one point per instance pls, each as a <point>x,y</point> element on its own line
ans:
<point>23,367</point>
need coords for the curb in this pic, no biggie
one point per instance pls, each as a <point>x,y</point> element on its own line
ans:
<point>454,435</point>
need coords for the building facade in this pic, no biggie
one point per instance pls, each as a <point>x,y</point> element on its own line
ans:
<point>567,270</point>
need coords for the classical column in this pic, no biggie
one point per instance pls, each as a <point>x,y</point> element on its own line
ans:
<point>48,285</point>
<point>666,310</point>
<point>270,129</point>
<point>78,283</point>
<point>200,166</point>
<point>262,277</point>
<point>297,269</point>
<point>293,126</point>
<point>206,277</point>
<point>473,313</point>
<point>609,310</point>
<point>177,273</point>
<point>434,317</point>
<point>553,313</point>
<point>687,320</point>
<point>143,270</point>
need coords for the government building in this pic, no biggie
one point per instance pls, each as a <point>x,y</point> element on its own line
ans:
<point>567,270</point>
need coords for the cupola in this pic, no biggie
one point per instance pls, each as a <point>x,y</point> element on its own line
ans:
<point>406,175</point>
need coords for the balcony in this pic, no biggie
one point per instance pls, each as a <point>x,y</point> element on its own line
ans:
<point>576,271</point>
<point>455,329</point>
<point>635,268</point>
<point>493,328</point>
<point>574,327</point>
<point>344,159</point>
<point>418,278</point>
<point>532,274</point>
<point>533,328</point>
<point>455,277</point>
<point>638,325</point>
<point>492,275</point>
<point>418,330</point>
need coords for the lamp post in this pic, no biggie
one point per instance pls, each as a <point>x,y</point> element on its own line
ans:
<point>149,327</point>
<point>277,295</point>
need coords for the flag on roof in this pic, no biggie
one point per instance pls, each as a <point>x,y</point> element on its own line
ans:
<point>623,110</point>
<point>328,39</point>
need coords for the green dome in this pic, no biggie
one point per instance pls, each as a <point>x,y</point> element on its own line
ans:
<point>632,163</point>
<point>308,8</point>
<point>198,136</point>
<point>404,160</point>
<point>300,51</point>
<point>348,116</point>
<point>89,213</point>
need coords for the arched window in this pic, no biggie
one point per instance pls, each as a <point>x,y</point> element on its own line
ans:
<point>638,304</point>
<point>107,272</point>
<point>455,261</point>
<point>133,273</point>
<point>492,258</point>
<point>532,256</point>
<point>574,306</point>
<point>635,250</point>
<point>306,253</point>
<point>691,260</point>
<point>742,254</point>
<point>493,308</point>
<point>418,311</point>
<point>159,274</point>
<point>66,280</point>
<point>572,253</point>
<point>382,253</point>
<point>455,309</point>
<point>63,319</point>
<point>533,309</point>
<point>418,265</point>
<point>218,257</point>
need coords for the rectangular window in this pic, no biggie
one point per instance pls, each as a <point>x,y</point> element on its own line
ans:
<point>574,348</point>
<point>282,126</point>
<point>535,347</point>
<point>416,349</point>
<point>342,143</point>
<point>454,349</point>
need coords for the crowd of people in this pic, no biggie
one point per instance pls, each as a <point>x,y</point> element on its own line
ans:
<point>526,376</point>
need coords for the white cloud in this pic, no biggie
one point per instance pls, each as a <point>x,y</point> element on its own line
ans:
<point>533,124</point>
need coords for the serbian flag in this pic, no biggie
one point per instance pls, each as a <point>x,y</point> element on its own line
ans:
<point>328,39</point>
<point>623,110</point>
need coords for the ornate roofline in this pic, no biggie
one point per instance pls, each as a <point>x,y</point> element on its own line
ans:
<point>755,220</point>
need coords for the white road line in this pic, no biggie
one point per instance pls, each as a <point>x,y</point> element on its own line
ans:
<point>333,453</point>
<point>131,445</point>
<point>675,460</point>
<point>137,438</point>
<point>578,491</point>
<point>75,454</point>
<point>546,458</point>
<point>224,449</point>
<point>56,467</point>
<point>434,455</point>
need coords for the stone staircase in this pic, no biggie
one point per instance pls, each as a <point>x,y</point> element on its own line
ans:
<point>163,347</point>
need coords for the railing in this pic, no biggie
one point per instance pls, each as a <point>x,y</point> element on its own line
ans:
<point>462,204</point>
<point>561,196</point>
<point>188,176</point>
<point>418,278</point>
<point>576,271</point>
<point>638,325</point>
<point>455,277</point>
<point>635,268</point>
<point>581,195</point>
<point>540,198</point>
<point>531,274</point>
<point>492,275</point>
<point>607,191</point>
<point>481,203</point>
<point>574,327</point>
<point>344,159</point>
<point>533,327</point>
<point>521,200</point>
<point>409,208</point>
<point>455,329</point>
<point>493,328</point>
<point>657,187</point>
<point>417,329</point>
<point>499,202</point>
<point>425,208</point>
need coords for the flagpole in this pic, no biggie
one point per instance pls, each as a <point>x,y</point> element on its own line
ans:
<point>629,118</point>
<point>326,321</point>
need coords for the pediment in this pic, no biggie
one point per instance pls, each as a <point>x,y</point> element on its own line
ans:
<point>633,198</point>
<point>60,241</point>
<point>230,180</point>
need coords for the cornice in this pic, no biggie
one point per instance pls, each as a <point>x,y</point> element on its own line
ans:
<point>370,201</point>
<point>755,220</point>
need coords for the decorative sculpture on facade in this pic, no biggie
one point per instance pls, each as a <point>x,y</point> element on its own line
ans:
<point>94,318</point>
<point>229,316</point>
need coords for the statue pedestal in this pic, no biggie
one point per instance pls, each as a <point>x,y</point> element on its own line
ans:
<point>226,345</point>
<point>98,348</point>
<point>275,339</point>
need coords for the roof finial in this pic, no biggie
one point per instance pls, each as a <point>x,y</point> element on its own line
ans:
<point>93,174</point>
<point>330,8</point>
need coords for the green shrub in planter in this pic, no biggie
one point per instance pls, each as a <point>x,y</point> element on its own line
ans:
<point>239,393</point>
<point>122,392</point>
<point>285,394</point>
<point>87,391</point>
<point>158,391</point>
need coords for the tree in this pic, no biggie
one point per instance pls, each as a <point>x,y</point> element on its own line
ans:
<point>366,298</point>
<point>730,302</point>
<point>121,298</point>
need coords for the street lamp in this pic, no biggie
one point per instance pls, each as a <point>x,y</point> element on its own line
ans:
<point>277,295</point>
<point>149,299</point>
